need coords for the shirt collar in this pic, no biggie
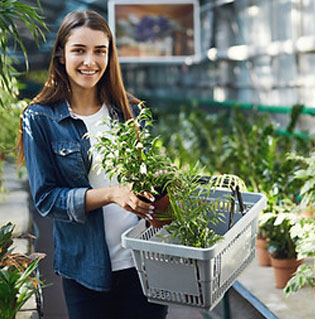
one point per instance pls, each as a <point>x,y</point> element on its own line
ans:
<point>71,114</point>
<point>62,110</point>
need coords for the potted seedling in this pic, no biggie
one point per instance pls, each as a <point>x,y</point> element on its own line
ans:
<point>129,152</point>
<point>281,246</point>
<point>265,227</point>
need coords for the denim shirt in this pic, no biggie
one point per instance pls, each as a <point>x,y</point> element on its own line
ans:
<point>57,162</point>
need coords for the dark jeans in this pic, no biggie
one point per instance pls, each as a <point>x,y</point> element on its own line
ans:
<point>124,301</point>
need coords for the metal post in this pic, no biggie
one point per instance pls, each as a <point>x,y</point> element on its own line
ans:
<point>226,306</point>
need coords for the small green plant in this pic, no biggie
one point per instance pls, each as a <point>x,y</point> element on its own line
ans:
<point>6,241</point>
<point>277,225</point>
<point>193,215</point>
<point>129,152</point>
<point>18,282</point>
<point>304,231</point>
<point>16,287</point>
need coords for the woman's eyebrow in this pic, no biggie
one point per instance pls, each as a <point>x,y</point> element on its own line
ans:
<point>101,46</point>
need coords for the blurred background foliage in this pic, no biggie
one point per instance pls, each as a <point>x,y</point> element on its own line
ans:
<point>12,15</point>
<point>247,144</point>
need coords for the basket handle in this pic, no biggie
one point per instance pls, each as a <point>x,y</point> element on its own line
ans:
<point>235,192</point>
<point>240,200</point>
<point>233,195</point>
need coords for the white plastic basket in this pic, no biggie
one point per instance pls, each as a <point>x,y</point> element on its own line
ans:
<point>196,277</point>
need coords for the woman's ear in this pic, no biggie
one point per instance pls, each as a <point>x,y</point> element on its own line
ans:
<point>60,56</point>
<point>62,59</point>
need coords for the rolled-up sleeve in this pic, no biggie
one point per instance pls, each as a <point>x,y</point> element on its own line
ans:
<point>76,204</point>
<point>50,199</point>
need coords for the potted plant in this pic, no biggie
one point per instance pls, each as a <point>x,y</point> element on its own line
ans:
<point>18,282</point>
<point>265,226</point>
<point>279,186</point>
<point>129,152</point>
<point>281,246</point>
<point>304,231</point>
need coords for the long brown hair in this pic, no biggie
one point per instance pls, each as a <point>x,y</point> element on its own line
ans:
<point>111,89</point>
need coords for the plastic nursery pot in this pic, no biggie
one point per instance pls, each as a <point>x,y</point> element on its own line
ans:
<point>284,270</point>
<point>263,255</point>
<point>160,204</point>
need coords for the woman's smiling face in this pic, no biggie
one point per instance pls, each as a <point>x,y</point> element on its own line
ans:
<point>85,57</point>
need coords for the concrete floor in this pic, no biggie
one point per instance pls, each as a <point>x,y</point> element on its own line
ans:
<point>260,282</point>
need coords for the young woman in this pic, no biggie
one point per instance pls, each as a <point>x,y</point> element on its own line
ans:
<point>89,211</point>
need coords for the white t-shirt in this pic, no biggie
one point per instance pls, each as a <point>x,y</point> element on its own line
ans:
<point>116,219</point>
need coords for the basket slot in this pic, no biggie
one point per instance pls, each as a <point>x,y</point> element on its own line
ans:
<point>149,233</point>
<point>161,296</point>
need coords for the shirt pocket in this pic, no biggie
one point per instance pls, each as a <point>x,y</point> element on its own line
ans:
<point>69,160</point>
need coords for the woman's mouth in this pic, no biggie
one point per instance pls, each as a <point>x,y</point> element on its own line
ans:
<point>88,72</point>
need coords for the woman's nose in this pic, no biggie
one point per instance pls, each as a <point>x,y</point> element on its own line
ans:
<point>88,60</point>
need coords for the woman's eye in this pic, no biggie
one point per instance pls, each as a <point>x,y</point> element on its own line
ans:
<point>78,50</point>
<point>102,52</point>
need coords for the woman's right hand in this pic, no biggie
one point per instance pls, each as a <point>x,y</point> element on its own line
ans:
<point>128,200</point>
<point>121,195</point>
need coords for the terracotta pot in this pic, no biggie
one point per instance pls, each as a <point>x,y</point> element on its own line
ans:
<point>308,212</point>
<point>160,204</point>
<point>284,269</point>
<point>262,252</point>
